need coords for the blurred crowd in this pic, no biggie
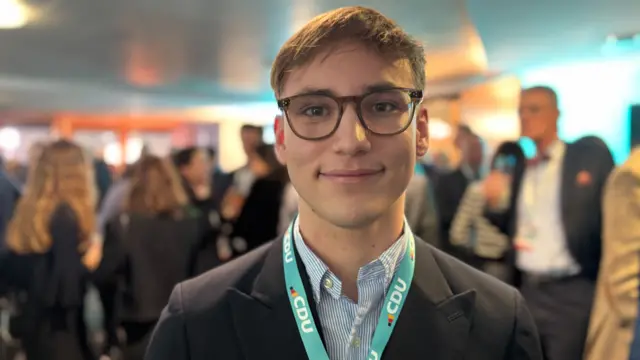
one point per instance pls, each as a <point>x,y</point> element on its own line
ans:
<point>69,226</point>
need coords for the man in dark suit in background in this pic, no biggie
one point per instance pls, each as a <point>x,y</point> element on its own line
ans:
<point>348,280</point>
<point>557,225</point>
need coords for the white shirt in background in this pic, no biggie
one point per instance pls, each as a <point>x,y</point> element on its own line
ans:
<point>540,224</point>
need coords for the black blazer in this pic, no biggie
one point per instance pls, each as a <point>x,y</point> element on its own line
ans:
<point>241,311</point>
<point>146,256</point>
<point>54,283</point>
<point>582,202</point>
<point>258,221</point>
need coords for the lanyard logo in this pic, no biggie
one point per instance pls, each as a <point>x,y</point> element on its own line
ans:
<point>288,252</point>
<point>302,311</point>
<point>395,300</point>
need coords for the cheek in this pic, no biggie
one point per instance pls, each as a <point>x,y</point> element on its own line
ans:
<point>528,126</point>
<point>399,155</point>
<point>302,156</point>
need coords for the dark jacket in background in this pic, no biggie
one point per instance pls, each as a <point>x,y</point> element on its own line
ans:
<point>103,178</point>
<point>449,188</point>
<point>144,257</point>
<point>209,225</point>
<point>148,255</point>
<point>54,283</point>
<point>9,195</point>
<point>258,221</point>
<point>581,204</point>
<point>421,210</point>
<point>221,183</point>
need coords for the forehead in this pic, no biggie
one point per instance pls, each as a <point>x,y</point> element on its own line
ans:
<point>347,68</point>
<point>537,97</point>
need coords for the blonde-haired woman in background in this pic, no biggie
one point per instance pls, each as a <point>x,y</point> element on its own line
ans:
<point>51,250</point>
<point>148,249</point>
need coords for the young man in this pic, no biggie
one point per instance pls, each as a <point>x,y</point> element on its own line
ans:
<point>348,280</point>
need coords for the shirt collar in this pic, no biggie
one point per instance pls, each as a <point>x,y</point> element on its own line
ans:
<point>382,268</point>
<point>555,149</point>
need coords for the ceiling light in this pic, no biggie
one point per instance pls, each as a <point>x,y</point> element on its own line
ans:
<point>9,139</point>
<point>13,14</point>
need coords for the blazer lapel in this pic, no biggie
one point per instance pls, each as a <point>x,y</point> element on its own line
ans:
<point>434,321</point>
<point>273,333</point>
<point>566,184</point>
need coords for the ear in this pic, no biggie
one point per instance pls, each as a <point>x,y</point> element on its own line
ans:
<point>280,148</point>
<point>422,131</point>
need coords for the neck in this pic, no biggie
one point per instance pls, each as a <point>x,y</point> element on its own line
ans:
<point>346,250</point>
<point>542,145</point>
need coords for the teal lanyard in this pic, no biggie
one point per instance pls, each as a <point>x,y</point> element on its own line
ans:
<point>393,303</point>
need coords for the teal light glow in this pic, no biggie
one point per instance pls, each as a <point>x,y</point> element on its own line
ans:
<point>595,98</point>
<point>528,147</point>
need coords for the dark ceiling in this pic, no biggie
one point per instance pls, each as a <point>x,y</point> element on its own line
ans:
<point>142,55</point>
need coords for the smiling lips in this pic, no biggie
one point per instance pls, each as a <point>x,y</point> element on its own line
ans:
<point>350,176</point>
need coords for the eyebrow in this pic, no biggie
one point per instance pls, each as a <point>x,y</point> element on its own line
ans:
<point>380,86</point>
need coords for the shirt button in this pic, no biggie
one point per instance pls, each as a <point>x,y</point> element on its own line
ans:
<point>328,283</point>
<point>355,342</point>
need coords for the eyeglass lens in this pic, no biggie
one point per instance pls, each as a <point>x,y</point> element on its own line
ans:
<point>383,112</point>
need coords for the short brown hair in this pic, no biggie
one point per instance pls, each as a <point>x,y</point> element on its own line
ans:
<point>349,23</point>
<point>546,90</point>
<point>155,188</point>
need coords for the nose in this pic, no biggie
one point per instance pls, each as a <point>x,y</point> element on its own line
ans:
<point>351,138</point>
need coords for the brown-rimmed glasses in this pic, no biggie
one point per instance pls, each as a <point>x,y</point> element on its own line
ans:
<point>317,116</point>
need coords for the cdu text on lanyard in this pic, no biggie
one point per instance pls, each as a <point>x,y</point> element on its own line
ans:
<point>301,309</point>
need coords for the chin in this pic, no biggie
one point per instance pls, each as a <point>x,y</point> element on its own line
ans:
<point>353,222</point>
<point>352,217</point>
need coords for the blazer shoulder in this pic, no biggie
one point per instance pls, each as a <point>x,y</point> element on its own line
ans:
<point>501,319</point>
<point>589,149</point>
<point>209,289</point>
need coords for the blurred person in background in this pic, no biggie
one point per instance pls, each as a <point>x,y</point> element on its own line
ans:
<point>113,199</point>
<point>489,240</point>
<point>289,206</point>
<point>252,220</point>
<point>51,251</point>
<point>9,195</point>
<point>420,207</point>
<point>148,248</point>
<point>116,191</point>
<point>558,225</point>
<point>251,137</point>
<point>103,178</point>
<point>220,179</point>
<point>194,166</point>
<point>471,151</point>
<point>19,171</point>
<point>463,160</point>
<point>614,329</point>
<point>243,178</point>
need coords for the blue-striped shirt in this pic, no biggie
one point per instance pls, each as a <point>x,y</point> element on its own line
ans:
<point>348,327</point>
